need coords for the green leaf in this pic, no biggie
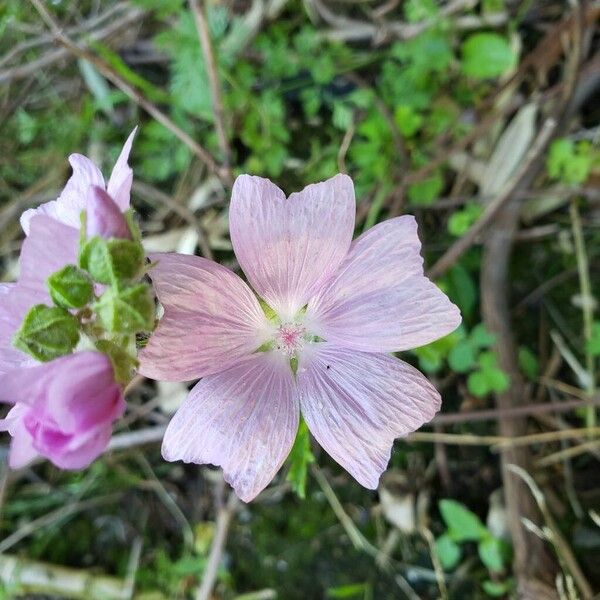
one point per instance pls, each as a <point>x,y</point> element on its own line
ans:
<point>487,55</point>
<point>463,525</point>
<point>477,384</point>
<point>113,260</point>
<point>448,552</point>
<point>497,380</point>
<point>47,333</point>
<point>492,552</point>
<point>487,360</point>
<point>353,590</point>
<point>496,588</point>
<point>127,310</point>
<point>461,220</point>
<point>430,358</point>
<point>462,289</point>
<point>480,337</point>
<point>300,457</point>
<point>426,191</point>
<point>461,357</point>
<point>529,363</point>
<point>70,287</point>
<point>408,120</point>
<point>97,86</point>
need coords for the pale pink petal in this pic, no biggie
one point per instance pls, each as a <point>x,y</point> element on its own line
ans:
<point>6,287</point>
<point>104,217</point>
<point>211,319</point>
<point>287,248</point>
<point>15,302</point>
<point>22,451</point>
<point>243,420</point>
<point>119,184</point>
<point>73,199</point>
<point>82,450</point>
<point>379,300</point>
<point>49,246</point>
<point>356,403</point>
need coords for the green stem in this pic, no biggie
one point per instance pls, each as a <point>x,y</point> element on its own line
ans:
<point>587,306</point>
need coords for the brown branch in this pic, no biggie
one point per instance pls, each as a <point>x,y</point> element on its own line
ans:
<point>209,577</point>
<point>492,209</point>
<point>213,78</point>
<point>104,68</point>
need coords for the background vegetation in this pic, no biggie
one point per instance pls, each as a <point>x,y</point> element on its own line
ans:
<point>476,116</point>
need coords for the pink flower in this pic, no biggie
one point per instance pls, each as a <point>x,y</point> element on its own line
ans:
<point>340,308</point>
<point>56,224</point>
<point>64,410</point>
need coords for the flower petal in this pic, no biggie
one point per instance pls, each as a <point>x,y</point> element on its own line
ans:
<point>67,208</point>
<point>49,246</point>
<point>15,302</point>
<point>287,248</point>
<point>243,420</point>
<point>356,403</point>
<point>119,184</point>
<point>211,319</point>
<point>379,300</point>
<point>22,451</point>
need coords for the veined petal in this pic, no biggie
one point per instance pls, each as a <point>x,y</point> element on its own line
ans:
<point>211,319</point>
<point>379,300</point>
<point>287,248</point>
<point>67,208</point>
<point>119,184</point>
<point>243,420</point>
<point>15,302</point>
<point>356,403</point>
<point>49,246</point>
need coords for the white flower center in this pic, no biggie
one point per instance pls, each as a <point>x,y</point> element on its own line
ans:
<point>290,338</point>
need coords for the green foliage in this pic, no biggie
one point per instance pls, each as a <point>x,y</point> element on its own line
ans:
<point>113,260</point>
<point>426,191</point>
<point>529,363</point>
<point>300,457</point>
<point>448,552</point>
<point>593,344</point>
<point>70,287</point>
<point>47,333</point>
<point>487,55</point>
<point>461,220</point>
<point>571,162</point>
<point>127,309</point>
<point>463,525</point>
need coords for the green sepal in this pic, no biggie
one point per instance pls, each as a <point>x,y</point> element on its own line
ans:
<point>112,261</point>
<point>126,310</point>
<point>70,287</point>
<point>47,332</point>
<point>134,229</point>
<point>123,364</point>
<point>300,457</point>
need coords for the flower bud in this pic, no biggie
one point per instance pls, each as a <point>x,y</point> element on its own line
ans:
<point>64,409</point>
<point>104,218</point>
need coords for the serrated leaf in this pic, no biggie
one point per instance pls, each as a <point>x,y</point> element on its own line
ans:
<point>70,287</point>
<point>47,332</point>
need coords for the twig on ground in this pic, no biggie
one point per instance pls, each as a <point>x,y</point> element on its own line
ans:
<point>213,79</point>
<point>461,245</point>
<point>209,577</point>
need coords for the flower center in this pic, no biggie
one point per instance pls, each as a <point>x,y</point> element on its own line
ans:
<point>290,338</point>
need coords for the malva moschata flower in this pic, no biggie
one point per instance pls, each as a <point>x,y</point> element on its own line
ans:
<point>318,341</point>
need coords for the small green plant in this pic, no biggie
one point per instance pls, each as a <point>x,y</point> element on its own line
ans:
<point>464,526</point>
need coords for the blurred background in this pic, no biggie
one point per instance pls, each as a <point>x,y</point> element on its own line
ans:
<point>480,117</point>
